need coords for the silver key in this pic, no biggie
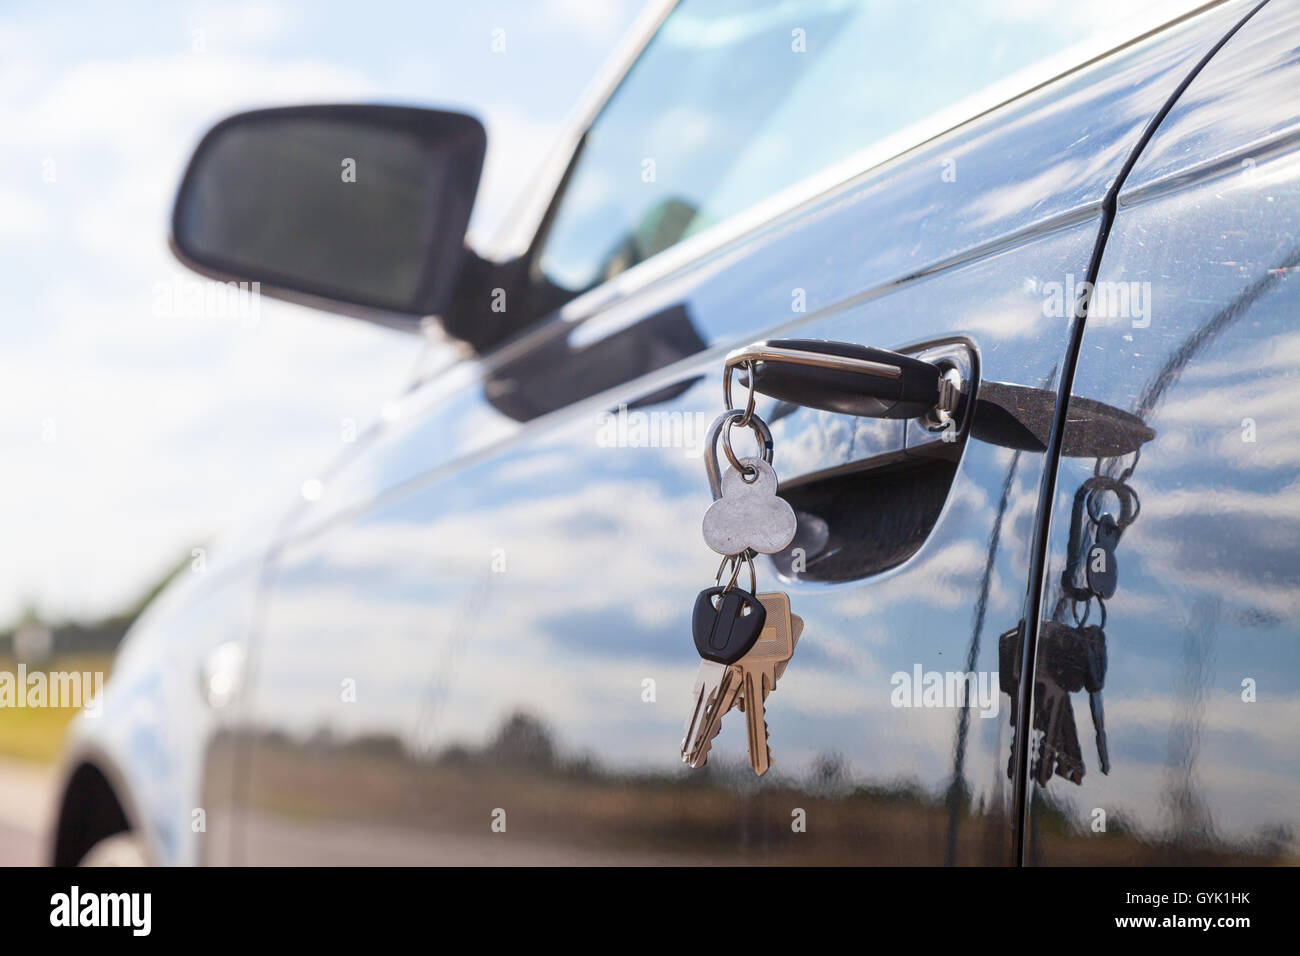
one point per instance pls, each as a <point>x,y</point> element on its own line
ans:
<point>708,680</point>
<point>724,700</point>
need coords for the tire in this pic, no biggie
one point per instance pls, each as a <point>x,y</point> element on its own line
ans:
<point>121,849</point>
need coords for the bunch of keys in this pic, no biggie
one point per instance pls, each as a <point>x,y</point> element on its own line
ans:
<point>744,639</point>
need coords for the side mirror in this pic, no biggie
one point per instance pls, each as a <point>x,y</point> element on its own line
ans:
<point>356,209</point>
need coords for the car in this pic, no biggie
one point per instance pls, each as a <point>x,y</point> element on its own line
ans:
<point>1024,373</point>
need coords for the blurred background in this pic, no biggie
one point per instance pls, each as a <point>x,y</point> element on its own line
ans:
<point>135,427</point>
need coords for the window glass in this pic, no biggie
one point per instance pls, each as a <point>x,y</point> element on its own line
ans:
<point>734,100</point>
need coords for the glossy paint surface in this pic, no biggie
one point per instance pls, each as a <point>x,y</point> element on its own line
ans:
<point>1202,691</point>
<point>503,636</point>
<point>1242,102</point>
<point>515,635</point>
<point>1039,162</point>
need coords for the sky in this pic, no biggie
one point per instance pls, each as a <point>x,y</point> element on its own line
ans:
<point>133,432</point>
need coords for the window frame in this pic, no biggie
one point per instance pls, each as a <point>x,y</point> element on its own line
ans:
<point>524,232</point>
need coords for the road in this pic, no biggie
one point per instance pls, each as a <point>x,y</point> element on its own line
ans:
<point>25,805</point>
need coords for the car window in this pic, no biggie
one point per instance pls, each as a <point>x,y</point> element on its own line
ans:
<point>734,100</point>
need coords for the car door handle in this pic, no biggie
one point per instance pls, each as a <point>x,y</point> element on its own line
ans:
<point>846,407</point>
<point>846,378</point>
<point>866,382</point>
<point>871,440</point>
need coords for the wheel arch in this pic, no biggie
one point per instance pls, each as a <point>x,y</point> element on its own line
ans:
<point>93,803</point>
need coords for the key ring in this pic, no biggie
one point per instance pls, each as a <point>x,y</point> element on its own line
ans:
<point>745,557</point>
<point>761,435</point>
<point>1087,610</point>
<point>748,416</point>
<point>1128,499</point>
<point>1130,503</point>
<point>1127,473</point>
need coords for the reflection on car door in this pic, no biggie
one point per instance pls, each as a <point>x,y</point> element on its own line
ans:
<point>1192,664</point>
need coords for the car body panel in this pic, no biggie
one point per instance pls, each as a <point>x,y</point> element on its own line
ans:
<point>1203,633</point>
<point>521,690</point>
<point>1036,164</point>
<point>1240,103</point>
<point>151,737</point>
<point>513,635</point>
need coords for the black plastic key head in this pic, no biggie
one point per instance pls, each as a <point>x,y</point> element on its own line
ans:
<point>726,623</point>
<point>1101,571</point>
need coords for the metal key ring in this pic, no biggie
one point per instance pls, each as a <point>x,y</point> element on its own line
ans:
<point>1136,504</point>
<point>1127,473</point>
<point>1126,495</point>
<point>748,366</point>
<point>761,435</point>
<point>737,560</point>
<point>711,467</point>
<point>1087,610</point>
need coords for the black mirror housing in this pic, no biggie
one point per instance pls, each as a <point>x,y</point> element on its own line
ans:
<point>356,209</point>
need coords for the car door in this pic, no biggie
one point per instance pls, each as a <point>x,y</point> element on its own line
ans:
<point>1196,668</point>
<point>476,649</point>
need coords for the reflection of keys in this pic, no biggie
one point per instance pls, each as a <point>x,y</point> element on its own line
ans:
<point>1058,748</point>
<point>728,693</point>
<point>1099,724</point>
<point>759,670</point>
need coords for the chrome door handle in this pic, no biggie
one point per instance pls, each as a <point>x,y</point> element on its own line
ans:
<point>846,378</point>
<point>869,382</point>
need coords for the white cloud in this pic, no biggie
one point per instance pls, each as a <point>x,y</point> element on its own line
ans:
<point>166,429</point>
<point>22,215</point>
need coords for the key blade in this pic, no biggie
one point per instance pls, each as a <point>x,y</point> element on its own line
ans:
<point>760,757</point>
<point>707,680</point>
<point>725,697</point>
<point>761,667</point>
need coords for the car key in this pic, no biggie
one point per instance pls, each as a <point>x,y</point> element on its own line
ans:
<point>747,518</point>
<point>777,606</point>
<point>726,623</point>
<point>1094,678</point>
<point>697,754</point>
<point>773,649</point>
<point>1062,661</point>
<point>1101,572</point>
